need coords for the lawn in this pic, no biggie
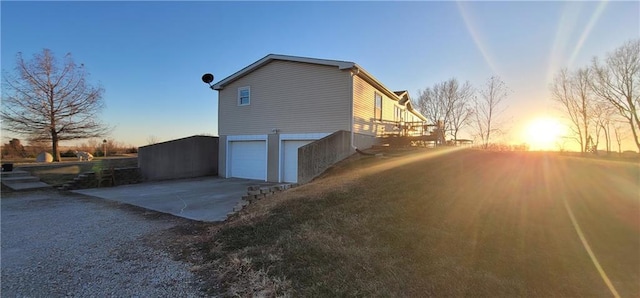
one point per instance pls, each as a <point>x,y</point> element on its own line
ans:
<point>435,223</point>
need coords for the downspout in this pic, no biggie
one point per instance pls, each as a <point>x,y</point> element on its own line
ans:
<point>353,74</point>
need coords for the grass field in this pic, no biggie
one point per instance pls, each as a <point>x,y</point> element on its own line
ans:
<point>435,223</point>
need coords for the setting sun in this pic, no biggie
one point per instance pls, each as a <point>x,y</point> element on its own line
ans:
<point>543,133</point>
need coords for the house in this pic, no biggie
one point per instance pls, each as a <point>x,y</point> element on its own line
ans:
<point>269,109</point>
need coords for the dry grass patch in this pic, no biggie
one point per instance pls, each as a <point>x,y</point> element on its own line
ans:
<point>434,223</point>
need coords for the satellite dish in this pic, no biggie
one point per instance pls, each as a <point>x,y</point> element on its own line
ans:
<point>207,78</point>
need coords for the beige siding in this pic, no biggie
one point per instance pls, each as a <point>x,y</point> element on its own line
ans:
<point>290,96</point>
<point>411,117</point>
<point>364,109</point>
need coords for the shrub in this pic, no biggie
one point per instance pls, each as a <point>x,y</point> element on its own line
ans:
<point>68,153</point>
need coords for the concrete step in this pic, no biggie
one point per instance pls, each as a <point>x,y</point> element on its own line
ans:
<point>15,173</point>
<point>27,185</point>
<point>20,179</point>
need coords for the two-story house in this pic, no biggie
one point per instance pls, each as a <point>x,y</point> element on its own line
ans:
<point>269,109</point>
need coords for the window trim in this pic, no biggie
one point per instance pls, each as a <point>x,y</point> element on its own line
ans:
<point>240,89</point>
<point>398,114</point>
<point>377,95</point>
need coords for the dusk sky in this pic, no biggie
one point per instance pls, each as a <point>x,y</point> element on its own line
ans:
<point>149,56</point>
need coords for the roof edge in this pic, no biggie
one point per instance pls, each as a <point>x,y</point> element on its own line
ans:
<point>271,57</point>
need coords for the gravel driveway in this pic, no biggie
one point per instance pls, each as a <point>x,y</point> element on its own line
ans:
<point>57,245</point>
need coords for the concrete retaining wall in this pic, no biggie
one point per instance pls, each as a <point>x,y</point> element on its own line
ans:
<point>126,175</point>
<point>85,180</point>
<point>182,158</point>
<point>362,141</point>
<point>314,158</point>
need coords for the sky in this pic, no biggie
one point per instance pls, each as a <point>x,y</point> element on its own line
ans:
<point>150,56</point>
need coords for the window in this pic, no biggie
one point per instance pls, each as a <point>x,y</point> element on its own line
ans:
<point>244,96</point>
<point>397,114</point>
<point>378,107</point>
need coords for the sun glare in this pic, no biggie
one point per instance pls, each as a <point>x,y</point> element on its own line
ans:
<point>543,133</point>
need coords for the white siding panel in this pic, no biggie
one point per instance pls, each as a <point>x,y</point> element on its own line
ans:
<point>289,96</point>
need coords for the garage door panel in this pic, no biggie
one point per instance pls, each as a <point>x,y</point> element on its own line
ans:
<point>248,159</point>
<point>290,159</point>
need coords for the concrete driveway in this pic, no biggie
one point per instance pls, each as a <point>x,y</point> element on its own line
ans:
<point>203,199</point>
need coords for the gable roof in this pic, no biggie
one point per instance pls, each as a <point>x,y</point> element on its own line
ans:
<point>400,93</point>
<point>271,57</point>
<point>405,100</point>
<point>401,96</point>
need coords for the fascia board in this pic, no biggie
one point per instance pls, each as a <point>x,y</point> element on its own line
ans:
<point>340,64</point>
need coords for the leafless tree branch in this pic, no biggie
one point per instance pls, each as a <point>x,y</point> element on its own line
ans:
<point>617,81</point>
<point>488,107</point>
<point>48,101</point>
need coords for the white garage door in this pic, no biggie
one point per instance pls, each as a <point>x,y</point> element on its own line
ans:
<point>248,159</point>
<point>290,159</point>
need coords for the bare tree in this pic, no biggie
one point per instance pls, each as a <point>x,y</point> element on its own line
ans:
<point>617,81</point>
<point>461,106</point>
<point>152,140</point>
<point>488,108</point>
<point>602,116</point>
<point>113,147</point>
<point>561,143</point>
<point>38,146</point>
<point>618,132</point>
<point>431,104</point>
<point>449,102</point>
<point>572,92</point>
<point>93,144</point>
<point>46,100</point>
<point>14,148</point>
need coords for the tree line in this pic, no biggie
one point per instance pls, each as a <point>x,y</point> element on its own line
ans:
<point>14,149</point>
<point>459,105</point>
<point>601,100</point>
<point>51,101</point>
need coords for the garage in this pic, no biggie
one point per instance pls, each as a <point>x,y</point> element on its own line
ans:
<point>290,159</point>
<point>248,159</point>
